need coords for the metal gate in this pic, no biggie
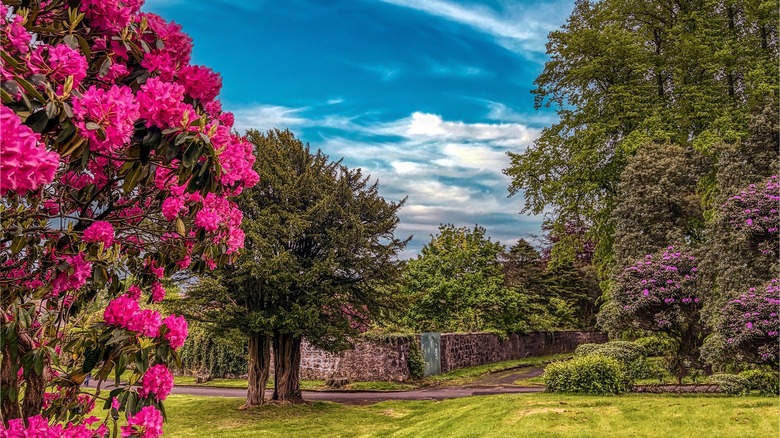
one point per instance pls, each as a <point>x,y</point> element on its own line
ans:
<point>430,344</point>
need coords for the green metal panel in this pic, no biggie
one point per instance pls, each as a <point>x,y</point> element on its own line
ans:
<point>430,344</point>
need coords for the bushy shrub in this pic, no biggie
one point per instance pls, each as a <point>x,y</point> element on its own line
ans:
<point>731,384</point>
<point>217,357</point>
<point>765,380</point>
<point>589,374</point>
<point>656,346</point>
<point>630,356</point>
<point>416,361</point>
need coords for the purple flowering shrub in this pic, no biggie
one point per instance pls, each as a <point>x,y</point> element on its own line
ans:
<point>751,325</point>
<point>754,211</point>
<point>660,293</point>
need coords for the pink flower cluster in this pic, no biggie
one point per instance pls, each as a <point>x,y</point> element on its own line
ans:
<point>755,212</point>
<point>114,111</point>
<point>75,277</point>
<point>24,164</point>
<point>162,102</point>
<point>200,82</point>
<point>39,427</point>
<point>223,217</point>
<point>661,286</point>
<point>125,312</point>
<point>157,382</point>
<point>62,61</point>
<point>751,325</point>
<point>100,231</point>
<point>110,15</point>
<point>177,331</point>
<point>147,423</point>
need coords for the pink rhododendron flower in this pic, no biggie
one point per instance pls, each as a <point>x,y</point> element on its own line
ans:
<point>157,381</point>
<point>171,207</point>
<point>110,14</point>
<point>146,323</point>
<point>200,82</point>
<point>177,331</point>
<point>63,62</point>
<point>75,277</point>
<point>176,43</point>
<point>134,292</point>
<point>158,292</point>
<point>114,111</point>
<point>161,102</point>
<point>147,423</point>
<point>24,165</point>
<point>121,311</point>
<point>100,231</point>
<point>38,426</point>
<point>14,32</point>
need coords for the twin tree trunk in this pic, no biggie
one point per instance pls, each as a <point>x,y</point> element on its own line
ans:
<point>259,364</point>
<point>32,389</point>
<point>287,368</point>
<point>287,364</point>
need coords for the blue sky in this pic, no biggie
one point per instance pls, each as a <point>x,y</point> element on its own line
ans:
<point>426,96</point>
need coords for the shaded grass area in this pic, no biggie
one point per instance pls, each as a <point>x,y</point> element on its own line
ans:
<point>516,415</point>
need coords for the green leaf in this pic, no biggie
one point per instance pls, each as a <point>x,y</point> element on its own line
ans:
<point>191,155</point>
<point>92,126</point>
<point>37,121</point>
<point>38,364</point>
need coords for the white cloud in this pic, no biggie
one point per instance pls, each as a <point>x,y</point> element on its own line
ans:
<point>514,27</point>
<point>450,170</point>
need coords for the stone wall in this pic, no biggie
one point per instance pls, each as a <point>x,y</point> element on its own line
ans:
<point>369,360</point>
<point>386,359</point>
<point>461,350</point>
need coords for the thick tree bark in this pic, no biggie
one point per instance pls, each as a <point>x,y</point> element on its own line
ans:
<point>34,385</point>
<point>287,366</point>
<point>10,409</point>
<point>259,367</point>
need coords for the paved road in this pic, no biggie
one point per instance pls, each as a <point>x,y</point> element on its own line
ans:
<point>492,384</point>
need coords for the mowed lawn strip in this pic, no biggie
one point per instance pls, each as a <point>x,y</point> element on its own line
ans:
<point>516,415</point>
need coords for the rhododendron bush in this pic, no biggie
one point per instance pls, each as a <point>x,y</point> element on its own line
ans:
<point>117,166</point>
<point>754,211</point>
<point>751,326</point>
<point>660,293</point>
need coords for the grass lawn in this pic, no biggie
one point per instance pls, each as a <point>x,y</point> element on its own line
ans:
<point>516,415</point>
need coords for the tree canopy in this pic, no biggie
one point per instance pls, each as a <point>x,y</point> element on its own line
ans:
<point>320,245</point>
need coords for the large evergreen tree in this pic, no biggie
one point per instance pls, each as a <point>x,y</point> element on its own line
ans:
<point>319,246</point>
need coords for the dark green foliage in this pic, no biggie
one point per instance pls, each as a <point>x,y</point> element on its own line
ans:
<point>416,361</point>
<point>656,346</point>
<point>731,384</point>
<point>572,292</point>
<point>457,284</point>
<point>658,204</point>
<point>591,374</point>
<point>765,380</point>
<point>632,357</point>
<point>218,357</point>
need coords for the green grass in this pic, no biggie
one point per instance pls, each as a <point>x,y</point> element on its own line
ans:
<point>516,415</point>
<point>465,375</point>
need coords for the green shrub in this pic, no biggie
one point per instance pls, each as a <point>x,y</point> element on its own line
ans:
<point>656,346</point>
<point>628,354</point>
<point>765,380</point>
<point>590,374</point>
<point>415,361</point>
<point>731,384</point>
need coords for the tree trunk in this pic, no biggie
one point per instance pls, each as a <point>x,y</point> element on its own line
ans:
<point>9,409</point>
<point>34,385</point>
<point>287,367</point>
<point>259,365</point>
